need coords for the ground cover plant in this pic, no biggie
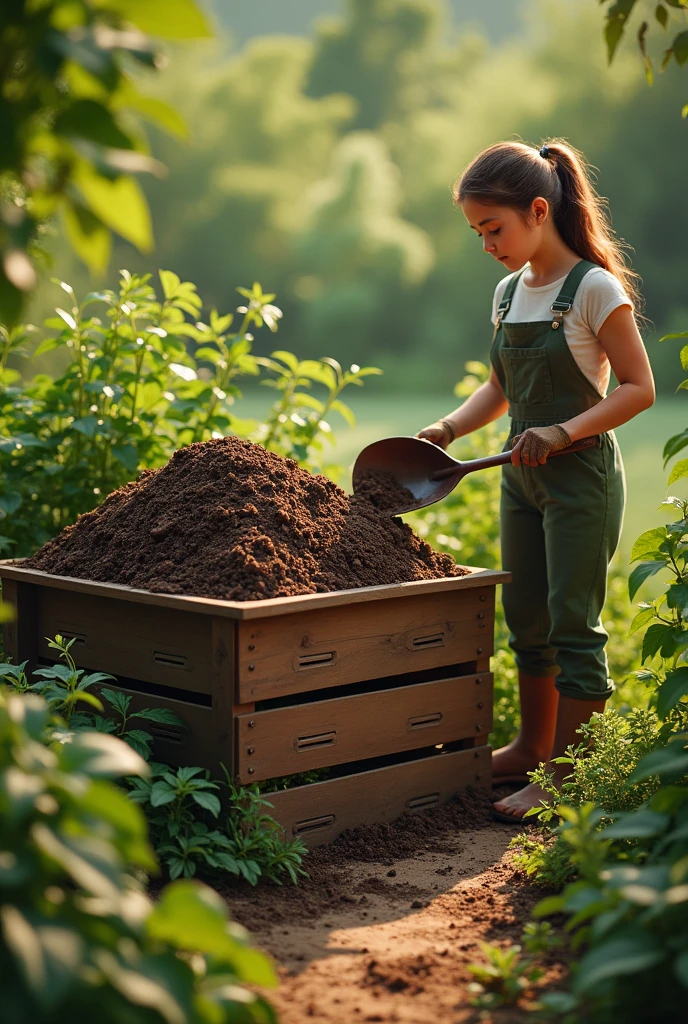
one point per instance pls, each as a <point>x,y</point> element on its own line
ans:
<point>79,939</point>
<point>191,830</point>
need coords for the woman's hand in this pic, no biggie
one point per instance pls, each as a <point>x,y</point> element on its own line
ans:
<point>534,445</point>
<point>440,433</point>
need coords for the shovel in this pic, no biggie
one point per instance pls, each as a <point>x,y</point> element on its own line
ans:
<point>426,470</point>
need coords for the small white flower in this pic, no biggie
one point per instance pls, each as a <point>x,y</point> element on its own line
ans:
<point>185,372</point>
<point>355,367</point>
<point>108,392</point>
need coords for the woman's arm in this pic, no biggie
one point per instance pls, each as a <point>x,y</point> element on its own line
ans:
<point>620,338</point>
<point>486,404</point>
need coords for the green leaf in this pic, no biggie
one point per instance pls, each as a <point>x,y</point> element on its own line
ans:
<point>630,954</point>
<point>677,598</point>
<point>675,444</point>
<point>644,616</point>
<point>120,204</point>
<point>680,470</point>
<point>208,801</point>
<point>152,109</point>
<point>127,455</point>
<point>654,639</point>
<point>100,755</point>
<point>88,236</point>
<point>680,46</point>
<point>344,411</point>
<point>88,119</point>
<point>648,544</point>
<point>640,824</point>
<point>49,956</point>
<point>169,19</point>
<point>674,687</point>
<point>640,574</point>
<point>170,283</point>
<point>668,337</point>
<point>161,715</point>
<point>669,760</point>
<point>161,794</point>
<point>10,501</point>
<point>661,15</point>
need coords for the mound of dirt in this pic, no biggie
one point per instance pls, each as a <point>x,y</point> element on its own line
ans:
<point>226,519</point>
<point>384,491</point>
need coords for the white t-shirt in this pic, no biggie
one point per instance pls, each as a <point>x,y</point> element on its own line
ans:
<point>598,295</point>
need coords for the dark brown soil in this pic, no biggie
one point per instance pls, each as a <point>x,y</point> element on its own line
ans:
<point>226,519</point>
<point>384,491</point>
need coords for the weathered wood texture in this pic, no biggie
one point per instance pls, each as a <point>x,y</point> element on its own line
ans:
<point>318,649</point>
<point>284,741</point>
<point>155,645</point>
<point>21,632</point>
<point>322,811</point>
<point>475,577</point>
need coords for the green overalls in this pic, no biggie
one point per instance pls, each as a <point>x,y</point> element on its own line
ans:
<point>560,522</point>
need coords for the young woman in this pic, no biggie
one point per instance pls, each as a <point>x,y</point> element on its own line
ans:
<point>563,319</point>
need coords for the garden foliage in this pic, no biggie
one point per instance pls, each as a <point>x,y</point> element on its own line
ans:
<point>144,375</point>
<point>79,938</point>
<point>70,113</point>
<point>191,831</point>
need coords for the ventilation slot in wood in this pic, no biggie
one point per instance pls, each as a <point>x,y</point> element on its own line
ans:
<point>421,803</point>
<point>423,720</point>
<point>300,828</point>
<point>316,660</point>
<point>67,634</point>
<point>419,643</point>
<point>159,732</point>
<point>170,660</point>
<point>322,739</point>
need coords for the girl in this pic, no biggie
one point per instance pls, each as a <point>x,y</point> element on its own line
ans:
<point>563,318</point>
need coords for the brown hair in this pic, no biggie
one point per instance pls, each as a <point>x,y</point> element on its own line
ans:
<point>514,174</point>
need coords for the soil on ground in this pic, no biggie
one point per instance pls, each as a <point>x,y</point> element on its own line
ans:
<point>227,519</point>
<point>390,918</point>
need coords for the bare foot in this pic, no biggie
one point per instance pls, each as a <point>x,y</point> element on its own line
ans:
<point>514,760</point>
<point>516,804</point>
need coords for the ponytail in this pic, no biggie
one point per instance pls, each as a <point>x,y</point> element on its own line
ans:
<point>514,174</point>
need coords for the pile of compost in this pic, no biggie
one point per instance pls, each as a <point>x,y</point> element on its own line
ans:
<point>226,519</point>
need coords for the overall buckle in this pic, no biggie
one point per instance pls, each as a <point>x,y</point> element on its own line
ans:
<point>558,309</point>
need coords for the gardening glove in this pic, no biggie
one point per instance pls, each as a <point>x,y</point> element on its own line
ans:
<point>440,433</point>
<point>535,444</point>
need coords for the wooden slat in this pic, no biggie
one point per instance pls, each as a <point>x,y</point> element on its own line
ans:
<point>174,745</point>
<point>322,811</point>
<point>223,691</point>
<point>21,632</point>
<point>284,741</point>
<point>156,645</point>
<point>330,647</point>
<point>476,577</point>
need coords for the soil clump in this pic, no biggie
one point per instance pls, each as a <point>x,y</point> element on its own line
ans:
<point>227,519</point>
<point>384,491</point>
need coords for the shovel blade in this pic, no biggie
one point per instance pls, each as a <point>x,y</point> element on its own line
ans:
<point>412,462</point>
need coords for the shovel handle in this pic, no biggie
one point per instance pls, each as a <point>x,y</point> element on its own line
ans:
<point>505,457</point>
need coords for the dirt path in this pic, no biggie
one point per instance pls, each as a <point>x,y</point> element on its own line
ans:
<point>389,939</point>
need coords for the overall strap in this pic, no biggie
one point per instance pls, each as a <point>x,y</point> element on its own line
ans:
<point>507,298</point>
<point>564,300</point>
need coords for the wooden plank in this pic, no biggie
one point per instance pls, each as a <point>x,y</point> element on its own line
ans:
<point>156,645</point>
<point>21,633</point>
<point>294,739</point>
<point>330,647</point>
<point>223,640</point>
<point>476,577</point>
<point>172,744</point>
<point>322,811</point>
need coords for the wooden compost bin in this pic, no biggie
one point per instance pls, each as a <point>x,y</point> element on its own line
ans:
<point>387,686</point>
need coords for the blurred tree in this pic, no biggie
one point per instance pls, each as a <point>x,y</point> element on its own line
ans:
<point>362,262</point>
<point>374,54</point>
<point>69,141</point>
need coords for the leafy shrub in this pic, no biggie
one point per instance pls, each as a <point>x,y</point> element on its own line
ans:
<point>179,802</point>
<point>79,939</point>
<point>141,380</point>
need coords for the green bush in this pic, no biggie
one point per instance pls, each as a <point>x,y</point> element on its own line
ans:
<point>141,380</point>
<point>79,939</point>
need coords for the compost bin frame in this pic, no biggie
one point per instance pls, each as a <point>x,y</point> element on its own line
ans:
<point>388,686</point>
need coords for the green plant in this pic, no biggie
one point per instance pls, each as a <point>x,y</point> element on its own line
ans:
<point>79,939</point>
<point>509,975</point>
<point>117,720</point>
<point>142,380</point>
<point>64,686</point>
<point>68,113</point>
